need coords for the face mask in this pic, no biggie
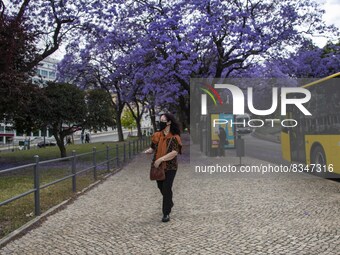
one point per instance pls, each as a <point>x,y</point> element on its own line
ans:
<point>162,125</point>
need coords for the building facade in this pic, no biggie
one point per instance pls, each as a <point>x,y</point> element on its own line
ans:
<point>46,71</point>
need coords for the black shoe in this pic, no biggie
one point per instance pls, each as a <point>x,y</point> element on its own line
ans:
<point>166,218</point>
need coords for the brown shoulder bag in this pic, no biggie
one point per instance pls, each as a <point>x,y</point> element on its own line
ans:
<point>158,173</point>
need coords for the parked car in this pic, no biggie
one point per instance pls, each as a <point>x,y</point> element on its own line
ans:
<point>47,143</point>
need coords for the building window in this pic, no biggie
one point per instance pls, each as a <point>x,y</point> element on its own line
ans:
<point>44,73</point>
<point>9,129</point>
<point>51,75</point>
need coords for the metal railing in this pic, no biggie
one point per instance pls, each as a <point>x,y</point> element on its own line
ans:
<point>110,161</point>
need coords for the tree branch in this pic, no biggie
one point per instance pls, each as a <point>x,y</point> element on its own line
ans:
<point>22,11</point>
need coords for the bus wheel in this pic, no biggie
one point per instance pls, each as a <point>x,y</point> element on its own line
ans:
<point>318,158</point>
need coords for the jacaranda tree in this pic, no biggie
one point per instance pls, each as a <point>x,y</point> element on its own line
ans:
<point>165,43</point>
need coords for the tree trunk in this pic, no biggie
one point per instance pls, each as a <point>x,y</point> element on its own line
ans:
<point>184,113</point>
<point>139,129</point>
<point>119,127</point>
<point>153,118</point>
<point>137,117</point>
<point>62,149</point>
<point>219,70</point>
<point>60,142</point>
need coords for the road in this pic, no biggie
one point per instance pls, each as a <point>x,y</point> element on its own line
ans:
<point>263,150</point>
<point>106,137</point>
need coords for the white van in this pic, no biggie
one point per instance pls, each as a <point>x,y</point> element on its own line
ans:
<point>242,128</point>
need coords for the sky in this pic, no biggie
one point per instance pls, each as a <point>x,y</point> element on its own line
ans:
<point>332,16</point>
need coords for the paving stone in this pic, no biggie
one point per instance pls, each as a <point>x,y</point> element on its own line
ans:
<point>229,214</point>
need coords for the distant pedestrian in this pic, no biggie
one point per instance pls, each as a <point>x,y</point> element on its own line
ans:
<point>26,144</point>
<point>222,135</point>
<point>87,138</point>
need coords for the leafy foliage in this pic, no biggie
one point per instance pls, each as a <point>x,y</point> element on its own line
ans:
<point>127,120</point>
<point>100,113</point>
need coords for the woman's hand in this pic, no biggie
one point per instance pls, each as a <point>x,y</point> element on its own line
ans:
<point>158,162</point>
<point>148,151</point>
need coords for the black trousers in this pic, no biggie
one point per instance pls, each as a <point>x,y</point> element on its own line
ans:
<point>221,150</point>
<point>165,187</point>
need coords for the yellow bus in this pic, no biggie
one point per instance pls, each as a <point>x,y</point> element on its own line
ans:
<point>315,141</point>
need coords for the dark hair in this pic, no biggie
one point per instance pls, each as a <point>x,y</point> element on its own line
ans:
<point>174,126</point>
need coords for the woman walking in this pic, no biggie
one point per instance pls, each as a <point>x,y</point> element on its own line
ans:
<point>166,144</point>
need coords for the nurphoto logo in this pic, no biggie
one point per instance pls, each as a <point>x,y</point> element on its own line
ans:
<point>239,104</point>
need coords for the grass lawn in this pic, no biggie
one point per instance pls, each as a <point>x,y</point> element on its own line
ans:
<point>17,213</point>
<point>27,156</point>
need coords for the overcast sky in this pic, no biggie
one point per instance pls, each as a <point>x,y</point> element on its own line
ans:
<point>332,16</point>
